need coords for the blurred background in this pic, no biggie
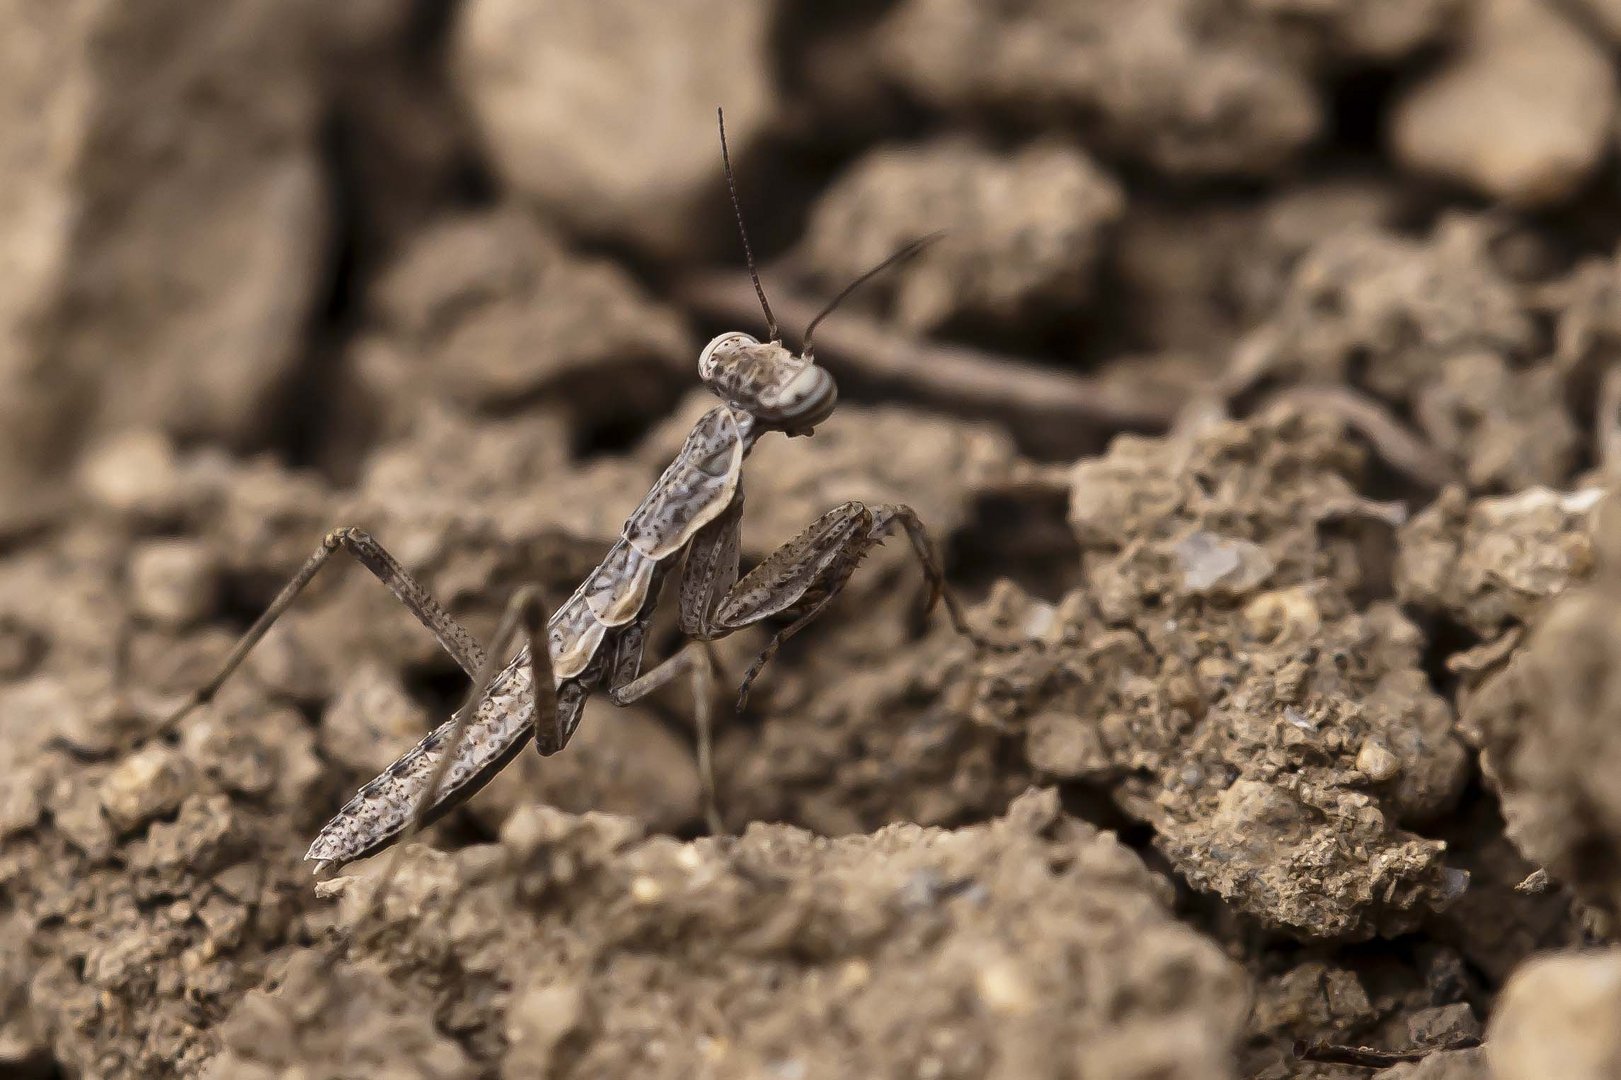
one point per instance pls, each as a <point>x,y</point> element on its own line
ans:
<point>1261,394</point>
<point>285,227</point>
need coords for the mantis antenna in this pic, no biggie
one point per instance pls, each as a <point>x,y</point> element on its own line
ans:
<point>900,256</point>
<point>737,209</point>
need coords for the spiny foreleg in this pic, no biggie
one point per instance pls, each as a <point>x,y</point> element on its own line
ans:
<point>799,579</point>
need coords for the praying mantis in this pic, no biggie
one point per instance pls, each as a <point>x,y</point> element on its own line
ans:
<point>691,520</point>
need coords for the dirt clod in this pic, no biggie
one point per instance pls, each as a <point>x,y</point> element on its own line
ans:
<point>490,310</point>
<point>807,955</point>
<point>1494,562</point>
<point>1547,737</point>
<point>1027,236</point>
<point>1158,87</point>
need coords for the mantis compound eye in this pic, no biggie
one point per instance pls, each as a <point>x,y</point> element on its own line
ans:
<point>721,349</point>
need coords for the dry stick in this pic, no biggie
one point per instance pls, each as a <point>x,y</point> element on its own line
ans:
<point>953,373</point>
<point>1369,1057</point>
<point>1402,449</point>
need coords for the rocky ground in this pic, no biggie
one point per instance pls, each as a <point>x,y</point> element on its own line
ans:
<point>1264,396</point>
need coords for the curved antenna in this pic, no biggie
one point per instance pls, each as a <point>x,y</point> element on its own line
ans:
<point>900,256</point>
<point>748,252</point>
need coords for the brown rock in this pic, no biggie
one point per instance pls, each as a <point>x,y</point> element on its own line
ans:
<point>1023,233</point>
<point>146,785</point>
<point>1556,1017</point>
<point>488,311</point>
<point>1522,112</point>
<point>133,472</point>
<point>173,582</point>
<point>605,112</point>
<point>1191,95</point>
<point>165,215</point>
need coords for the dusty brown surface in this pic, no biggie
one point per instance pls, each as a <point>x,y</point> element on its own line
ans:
<point>1264,397</point>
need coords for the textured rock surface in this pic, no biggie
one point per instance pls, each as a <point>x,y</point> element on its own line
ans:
<point>1258,719</point>
<point>952,953</point>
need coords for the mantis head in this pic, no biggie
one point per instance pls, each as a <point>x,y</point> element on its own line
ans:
<point>779,388</point>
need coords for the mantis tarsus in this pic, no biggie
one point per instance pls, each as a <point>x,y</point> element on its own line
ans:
<point>595,640</point>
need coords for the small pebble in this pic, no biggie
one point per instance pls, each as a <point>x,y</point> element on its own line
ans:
<point>537,1021</point>
<point>1004,989</point>
<point>1212,563</point>
<point>1442,1024</point>
<point>1376,762</point>
<point>148,784</point>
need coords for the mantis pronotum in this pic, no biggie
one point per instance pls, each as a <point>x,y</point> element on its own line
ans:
<point>594,641</point>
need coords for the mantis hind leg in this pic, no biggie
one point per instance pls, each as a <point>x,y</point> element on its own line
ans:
<point>455,640</point>
<point>525,616</point>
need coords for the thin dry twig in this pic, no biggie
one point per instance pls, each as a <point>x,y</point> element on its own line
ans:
<point>951,374</point>
<point>1369,1057</point>
<point>1402,449</point>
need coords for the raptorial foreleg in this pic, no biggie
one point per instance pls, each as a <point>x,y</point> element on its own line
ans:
<point>800,578</point>
<point>797,581</point>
